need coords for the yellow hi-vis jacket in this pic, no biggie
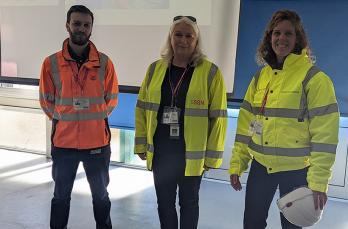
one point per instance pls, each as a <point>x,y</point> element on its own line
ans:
<point>300,122</point>
<point>205,120</point>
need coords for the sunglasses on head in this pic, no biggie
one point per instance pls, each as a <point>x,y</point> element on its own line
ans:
<point>193,19</point>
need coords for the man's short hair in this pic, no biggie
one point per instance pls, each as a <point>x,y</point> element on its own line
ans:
<point>78,9</point>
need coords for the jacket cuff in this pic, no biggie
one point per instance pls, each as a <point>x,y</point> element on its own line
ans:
<point>139,149</point>
<point>318,187</point>
<point>235,171</point>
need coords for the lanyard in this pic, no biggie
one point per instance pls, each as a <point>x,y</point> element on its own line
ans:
<point>264,100</point>
<point>176,88</point>
<point>82,82</point>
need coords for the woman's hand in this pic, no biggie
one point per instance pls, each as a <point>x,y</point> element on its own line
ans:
<point>320,199</point>
<point>142,156</point>
<point>235,183</point>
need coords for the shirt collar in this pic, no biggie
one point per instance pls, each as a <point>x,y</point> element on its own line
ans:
<point>81,59</point>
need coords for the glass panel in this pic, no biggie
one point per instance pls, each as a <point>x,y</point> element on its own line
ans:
<point>122,146</point>
<point>23,129</point>
<point>115,145</point>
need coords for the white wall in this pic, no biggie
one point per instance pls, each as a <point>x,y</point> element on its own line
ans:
<point>131,37</point>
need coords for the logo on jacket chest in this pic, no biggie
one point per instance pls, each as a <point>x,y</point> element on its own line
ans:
<point>197,102</point>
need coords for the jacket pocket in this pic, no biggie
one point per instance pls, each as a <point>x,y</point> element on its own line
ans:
<point>258,96</point>
<point>54,128</point>
<point>107,129</point>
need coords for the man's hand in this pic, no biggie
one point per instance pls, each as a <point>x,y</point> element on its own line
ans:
<point>235,183</point>
<point>142,156</point>
<point>320,199</point>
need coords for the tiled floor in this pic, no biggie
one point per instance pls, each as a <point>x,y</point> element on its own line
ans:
<point>26,189</point>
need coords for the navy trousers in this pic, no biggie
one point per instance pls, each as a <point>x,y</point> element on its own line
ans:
<point>64,168</point>
<point>169,174</point>
<point>260,191</point>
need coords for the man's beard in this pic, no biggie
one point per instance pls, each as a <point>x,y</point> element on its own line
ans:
<point>79,38</point>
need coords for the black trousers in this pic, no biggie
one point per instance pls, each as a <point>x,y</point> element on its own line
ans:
<point>260,191</point>
<point>169,173</point>
<point>64,168</point>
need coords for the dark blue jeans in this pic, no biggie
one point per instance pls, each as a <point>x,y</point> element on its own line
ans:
<point>64,168</point>
<point>260,191</point>
<point>169,173</point>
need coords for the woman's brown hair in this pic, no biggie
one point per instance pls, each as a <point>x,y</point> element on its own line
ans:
<point>265,53</point>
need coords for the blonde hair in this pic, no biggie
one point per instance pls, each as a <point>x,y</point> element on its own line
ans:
<point>167,51</point>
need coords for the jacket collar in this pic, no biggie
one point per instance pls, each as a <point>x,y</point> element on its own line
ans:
<point>295,59</point>
<point>93,56</point>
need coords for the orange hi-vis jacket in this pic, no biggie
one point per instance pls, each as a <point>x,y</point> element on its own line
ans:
<point>78,101</point>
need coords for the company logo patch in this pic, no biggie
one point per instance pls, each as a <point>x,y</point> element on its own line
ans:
<point>93,77</point>
<point>197,101</point>
<point>95,151</point>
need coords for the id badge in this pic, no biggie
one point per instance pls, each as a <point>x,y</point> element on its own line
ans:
<point>81,103</point>
<point>255,127</point>
<point>165,117</point>
<point>174,131</point>
<point>171,115</point>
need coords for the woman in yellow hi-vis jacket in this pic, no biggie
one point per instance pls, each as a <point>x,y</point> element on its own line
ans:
<point>180,122</point>
<point>287,124</point>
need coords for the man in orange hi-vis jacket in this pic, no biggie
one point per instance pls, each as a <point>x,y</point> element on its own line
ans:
<point>78,90</point>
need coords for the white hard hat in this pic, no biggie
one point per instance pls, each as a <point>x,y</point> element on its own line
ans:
<point>298,207</point>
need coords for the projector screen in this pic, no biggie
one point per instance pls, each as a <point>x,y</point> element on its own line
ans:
<point>130,32</point>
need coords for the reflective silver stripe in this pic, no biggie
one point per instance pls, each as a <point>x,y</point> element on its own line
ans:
<point>275,151</point>
<point>247,106</point>
<point>80,116</point>
<point>291,113</point>
<point>242,138</point>
<point>147,105</point>
<point>48,109</point>
<point>150,148</point>
<point>47,96</point>
<point>217,113</point>
<point>256,78</point>
<point>211,74</point>
<point>214,154</point>
<point>280,112</point>
<point>141,104</point>
<point>196,112</point>
<point>55,73</point>
<point>303,102</point>
<point>111,96</point>
<point>319,111</point>
<point>140,140</point>
<point>151,71</point>
<point>195,155</point>
<point>69,101</point>
<point>96,100</point>
<point>322,147</point>
<point>152,106</point>
<point>272,112</point>
<point>102,69</point>
<point>312,71</point>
